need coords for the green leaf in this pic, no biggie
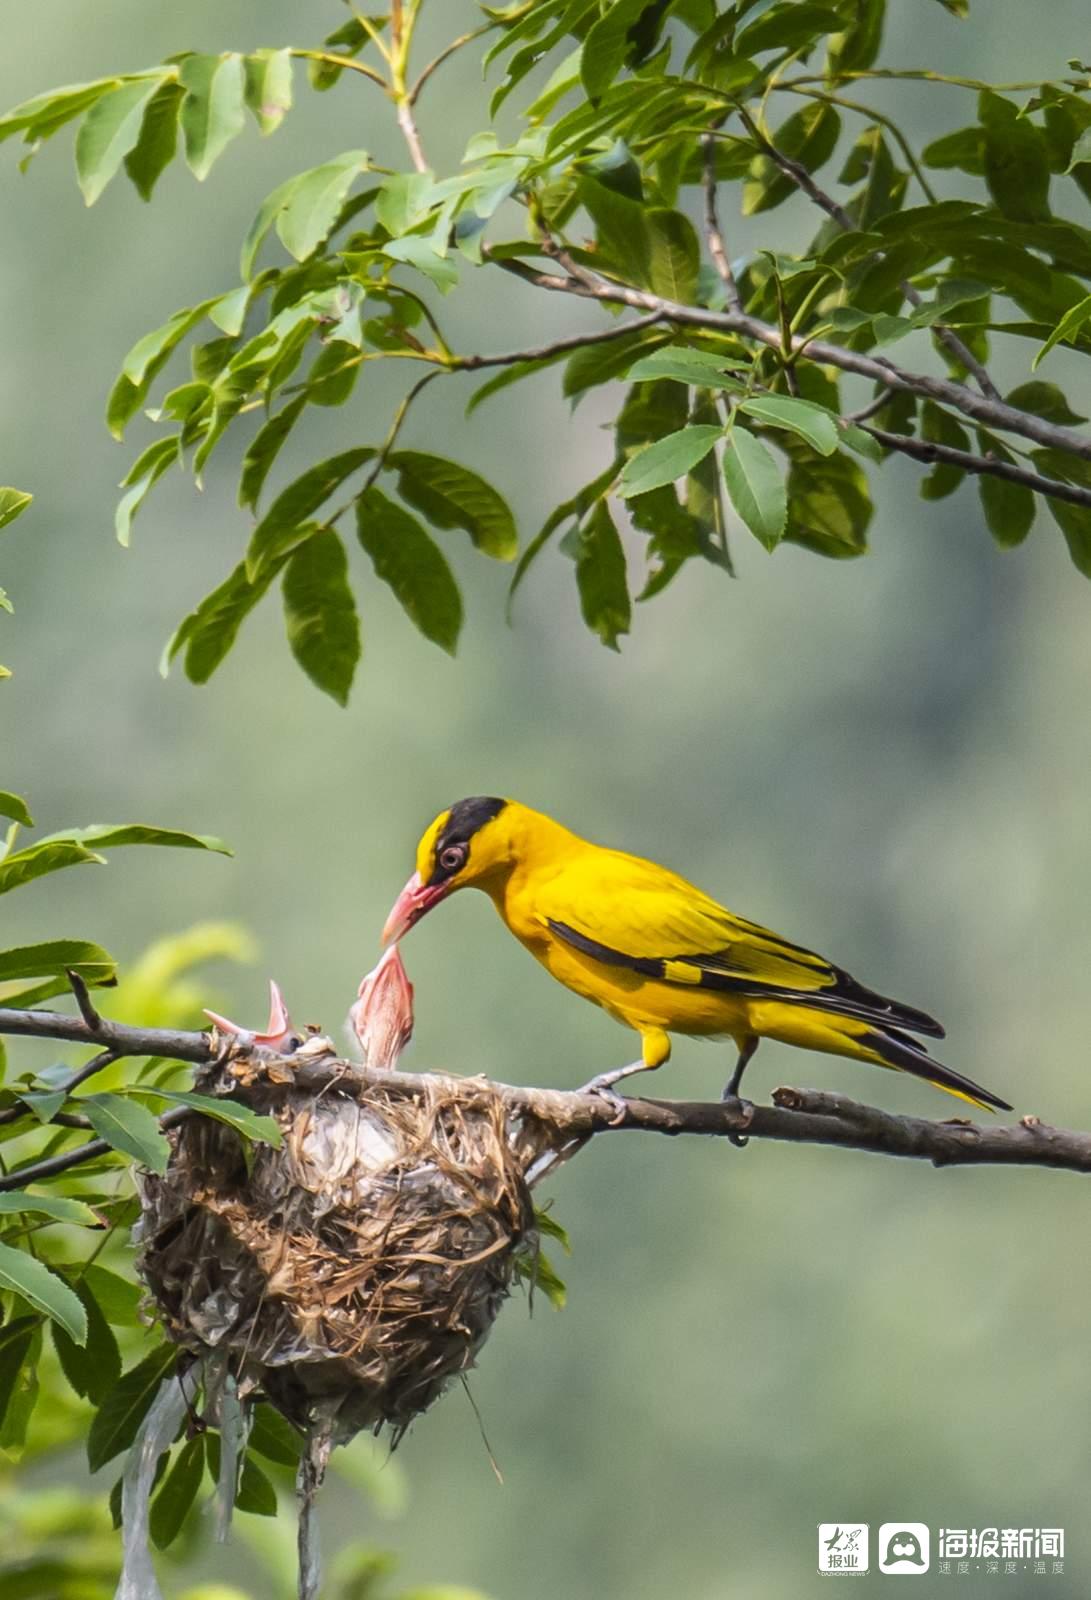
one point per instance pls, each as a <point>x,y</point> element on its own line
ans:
<point>862,442</point>
<point>16,1339</point>
<point>320,614</point>
<point>155,148</point>
<point>1016,160</point>
<point>128,1127</point>
<point>964,151</point>
<point>674,257</point>
<point>43,1103</point>
<point>829,507</point>
<point>95,1366</point>
<point>607,45</point>
<point>667,459</point>
<point>1043,399</point>
<point>146,471</point>
<point>209,631</point>
<point>939,427</point>
<point>212,111</point>
<point>124,1408</point>
<point>264,449</point>
<point>1008,507</point>
<point>403,201</point>
<point>699,368</point>
<point>39,859</point>
<point>54,958</point>
<point>407,559</point>
<point>811,422</point>
<point>171,1505</point>
<point>274,1438</point>
<point>575,507</point>
<point>1075,523</point>
<point>451,496</point>
<point>313,203</point>
<point>145,360</point>
<point>809,137</point>
<point>235,1115</point>
<point>43,1289</point>
<point>597,364</point>
<point>112,835</point>
<point>13,502</point>
<point>1075,318</point>
<point>41,117</point>
<point>11,805</point>
<point>57,1206</point>
<point>791,25</point>
<point>755,486</point>
<point>119,1299</point>
<point>282,527</point>
<point>601,575</point>
<point>108,132</point>
<point>268,91</point>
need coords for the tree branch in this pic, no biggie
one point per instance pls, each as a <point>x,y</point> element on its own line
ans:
<point>797,1116</point>
<point>716,246</point>
<point>992,413</point>
<point>928,451</point>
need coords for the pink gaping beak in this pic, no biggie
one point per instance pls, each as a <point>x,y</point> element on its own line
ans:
<point>382,1017</point>
<point>415,899</point>
<point>279,1033</point>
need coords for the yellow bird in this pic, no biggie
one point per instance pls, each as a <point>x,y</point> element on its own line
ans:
<point>655,952</point>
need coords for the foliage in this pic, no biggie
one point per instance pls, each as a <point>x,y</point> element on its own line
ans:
<point>635,120</point>
<point>13,502</point>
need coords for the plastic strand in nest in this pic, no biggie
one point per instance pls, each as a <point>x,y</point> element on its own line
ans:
<point>156,1435</point>
<point>348,1275</point>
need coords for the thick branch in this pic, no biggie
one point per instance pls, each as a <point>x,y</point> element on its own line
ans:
<point>797,1116</point>
<point>992,413</point>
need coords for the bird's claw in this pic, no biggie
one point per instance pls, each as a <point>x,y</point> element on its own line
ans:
<point>617,1102</point>
<point>739,1140</point>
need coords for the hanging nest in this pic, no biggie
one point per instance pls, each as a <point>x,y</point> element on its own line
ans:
<point>350,1274</point>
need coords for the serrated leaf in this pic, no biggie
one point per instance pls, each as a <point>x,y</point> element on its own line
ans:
<point>283,526</point>
<point>108,132</point>
<point>601,575</point>
<point>60,1207</point>
<point>54,958</point>
<point>125,1406</point>
<point>43,1289</point>
<point>95,1366</point>
<point>158,140</point>
<point>1075,318</point>
<point>180,1487</point>
<point>451,496</point>
<point>112,835</point>
<point>313,201</point>
<point>811,422</point>
<point>755,486</point>
<point>320,614</point>
<point>667,459</point>
<point>13,502</point>
<point>128,1127</point>
<point>212,111</point>
<point>14,806</point>
<point>268,91</point>
<point>406,558</point>
<point>674,255</point>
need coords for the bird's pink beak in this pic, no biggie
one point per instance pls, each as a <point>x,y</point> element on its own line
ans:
<point>279,1033</point>
<point>382,1018</point>
<point>415,899</point>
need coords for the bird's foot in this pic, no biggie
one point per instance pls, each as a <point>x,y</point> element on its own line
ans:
<point>730,1098</point>
<point>603,1086</point>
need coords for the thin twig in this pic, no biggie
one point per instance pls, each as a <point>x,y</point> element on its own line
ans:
<point>930,452</point>
<point>825,202</point>
<point>716,247</point>
<point>798,1116</point>
<point>445,55</point>
<point>992,413</point>
<point>96,1064</point>
<point>411,133</point>
<point>333,60</point>
<point>82,995</point>
<point>558,347</point>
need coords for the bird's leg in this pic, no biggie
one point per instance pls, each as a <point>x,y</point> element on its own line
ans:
<point>602,1084</point>
<point>731,1092</point>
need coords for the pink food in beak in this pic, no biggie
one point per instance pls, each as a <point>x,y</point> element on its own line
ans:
<point>279,1033</point>
<point>415,899</point>
<point>382,1018</point>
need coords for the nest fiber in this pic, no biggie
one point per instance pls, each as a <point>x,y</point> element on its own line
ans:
<point>350,1274</point>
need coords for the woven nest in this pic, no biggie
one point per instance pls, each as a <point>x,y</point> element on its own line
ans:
<point>349,1275</point>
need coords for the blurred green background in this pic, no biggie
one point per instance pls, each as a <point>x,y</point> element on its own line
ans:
<point>885,758</point>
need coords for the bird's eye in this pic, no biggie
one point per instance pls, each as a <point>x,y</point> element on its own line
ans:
<point>453,857</point>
